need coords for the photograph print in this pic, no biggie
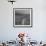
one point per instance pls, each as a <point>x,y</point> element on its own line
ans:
<point>22,17</point>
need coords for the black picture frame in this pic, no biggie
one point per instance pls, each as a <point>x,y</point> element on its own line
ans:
<point>22,17</point>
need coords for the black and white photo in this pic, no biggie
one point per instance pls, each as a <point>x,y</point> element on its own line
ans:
<point>22,17</point>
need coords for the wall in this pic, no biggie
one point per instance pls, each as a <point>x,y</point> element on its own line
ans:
<point>37,32</point>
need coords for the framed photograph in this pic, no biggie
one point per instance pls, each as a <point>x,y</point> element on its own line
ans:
<point>22,17</point>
